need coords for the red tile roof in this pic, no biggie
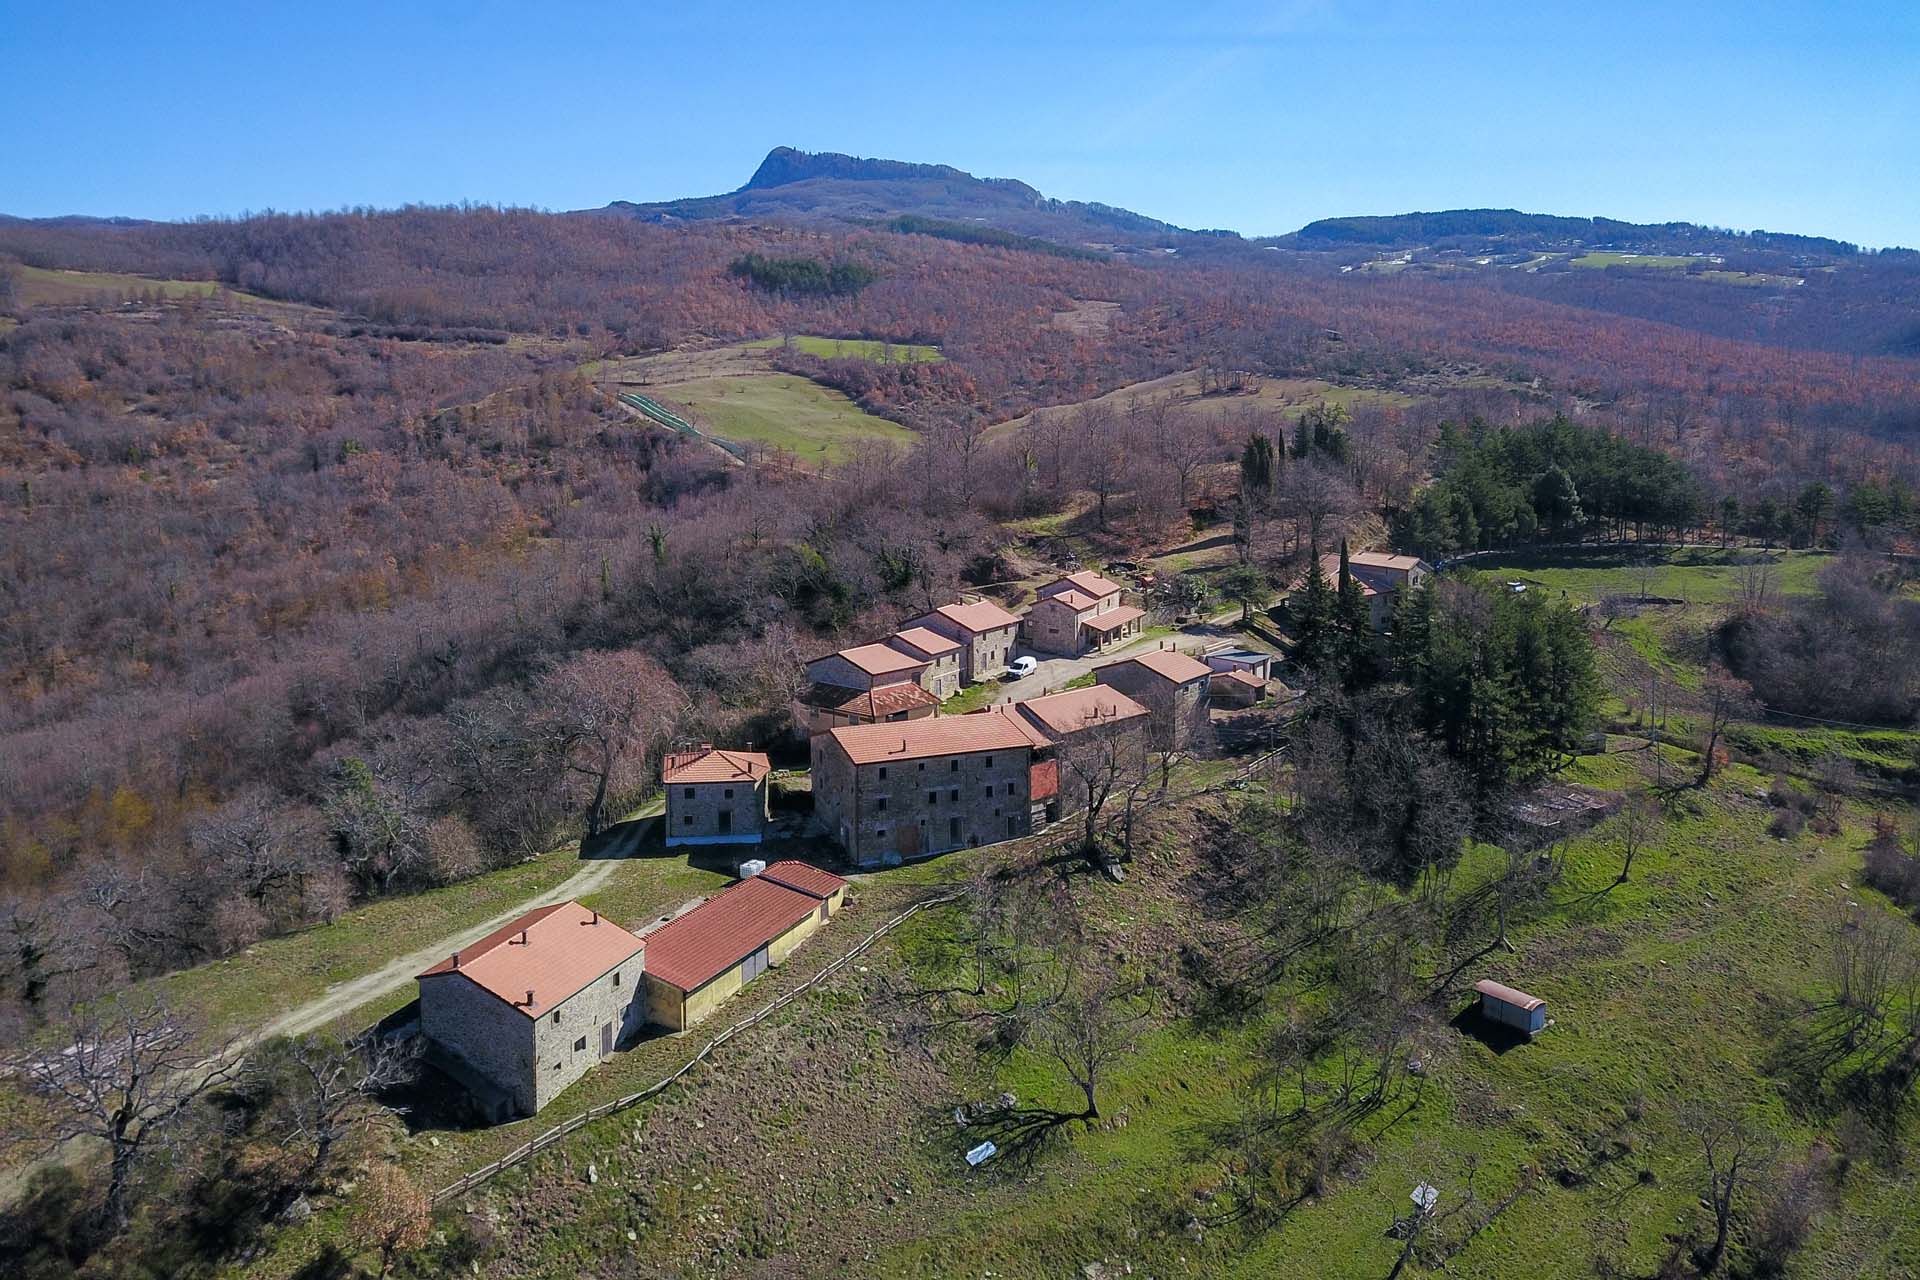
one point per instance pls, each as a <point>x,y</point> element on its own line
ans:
<point>881,659</point>
<point>1242,675</point>
<point>1170,664</point>
<point>710,764</point>
<point>980,616</point>
<point>923,641</point>
<point>1086,580</point>
<point>691,950</point>
<point>554,952</point>
<point>1113,619</point>
<point>805,877</point>
<point>1059,714</point>
<point>1043,780</point>
<point>935,736</point>
<point>1072,599</point>
<point>874,704</point>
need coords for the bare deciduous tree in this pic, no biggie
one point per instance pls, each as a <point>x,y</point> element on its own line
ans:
<point>1091,1026</point>
<point>124,1077</point>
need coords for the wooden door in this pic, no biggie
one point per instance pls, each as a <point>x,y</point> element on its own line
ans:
<point>606,1039</point>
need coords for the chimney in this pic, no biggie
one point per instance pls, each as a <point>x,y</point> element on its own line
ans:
<point>596,917</point>
<point>523,937</point>
<point>456,959</point>
<point>529,997</point>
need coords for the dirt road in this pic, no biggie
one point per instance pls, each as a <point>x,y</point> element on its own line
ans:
<point>347,996</point>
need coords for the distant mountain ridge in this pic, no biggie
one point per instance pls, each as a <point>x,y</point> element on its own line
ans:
<point>827,186</point>
<point>1512,229</point>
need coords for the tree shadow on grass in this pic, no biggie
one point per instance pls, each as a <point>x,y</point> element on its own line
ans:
<point>1496,1036</point>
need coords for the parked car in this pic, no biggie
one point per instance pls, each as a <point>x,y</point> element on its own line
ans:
<point>1020,668</point>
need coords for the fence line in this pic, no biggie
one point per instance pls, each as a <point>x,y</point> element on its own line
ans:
<point>559,1131</point>
<point>544,1140</point>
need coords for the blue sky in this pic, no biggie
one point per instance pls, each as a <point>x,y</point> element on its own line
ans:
<point>1258,117</point>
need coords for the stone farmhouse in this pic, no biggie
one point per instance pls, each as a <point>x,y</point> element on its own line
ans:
<point>1081,613</point>
<point>1381,577</point>
<point>984,632</point>
<point>716,796</point>
<point>697,960</point>
<point>1172,686</point>
<point>942,656</point>
<point>524,1012</point>
<point>888,792</point>
<point>1094,737</point>
<point>867,684</point>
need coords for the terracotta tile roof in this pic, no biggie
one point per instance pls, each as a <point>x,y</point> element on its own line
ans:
<point>1507,995</point>
<point>922,641</point>
<point>1113,619</point>
<point>1086,580</point>
<point>981,615</point>
<point>934,736</point>
<point>1170,664</point>
<point>1380,560</point>
<point>875,704</point>
<point>1071,710</point>
<point>1072,599</point>
<point>566,948</point>
<point>710,764</point>
<point>881,659</point>
<point>805,877</point>
<point>1242,675</point>
<point>693,949</point>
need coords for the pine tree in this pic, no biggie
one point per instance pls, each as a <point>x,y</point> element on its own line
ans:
<point>1355,656</point>
<point>1314,622</point>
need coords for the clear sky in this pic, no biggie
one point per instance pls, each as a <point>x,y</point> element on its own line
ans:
<point>1259,117</point>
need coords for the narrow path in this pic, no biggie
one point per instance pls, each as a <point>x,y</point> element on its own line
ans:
<point>347,996</point>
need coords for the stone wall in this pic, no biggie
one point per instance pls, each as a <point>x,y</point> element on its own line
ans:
<point>695,818</point>
<point>484,1031</point>
<point>913,807</point>
<point>616,999</point>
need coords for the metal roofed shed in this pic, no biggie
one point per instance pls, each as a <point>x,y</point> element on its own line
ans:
<point>1511,1007</point>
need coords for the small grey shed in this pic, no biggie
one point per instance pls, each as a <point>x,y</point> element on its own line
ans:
<point>1510,1007</point>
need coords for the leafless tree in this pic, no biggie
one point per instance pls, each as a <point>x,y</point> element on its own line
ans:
<point>1735,1152</point>
<point>1318,500</point>
<point>327,1091</point>
<point>1091,1026</point>
<point>1723,698</point>
<point>124,1077</point>
<point>1098,761</point>
<point>602,712</point>
<point>1639,821</point>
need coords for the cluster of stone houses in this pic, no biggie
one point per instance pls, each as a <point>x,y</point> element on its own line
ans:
<point>892,791</point>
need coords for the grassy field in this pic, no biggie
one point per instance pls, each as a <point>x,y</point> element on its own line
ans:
<point>1663,260</point>
<point>41,287</point>
<point>1692,575</point>
<point>870,349</point>
<point>1275,395</point>
<point>782,411</point>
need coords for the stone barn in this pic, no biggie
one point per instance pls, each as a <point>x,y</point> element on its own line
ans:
<point>527,1010</point>
<point>696,961</point>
